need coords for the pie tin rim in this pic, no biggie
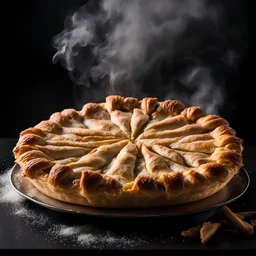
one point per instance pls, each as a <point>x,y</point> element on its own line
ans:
<point>231,192</point>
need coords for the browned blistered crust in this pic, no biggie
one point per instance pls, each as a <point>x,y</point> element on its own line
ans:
<point>94,111</point>
<point>127,152</point>
<point>61,175</point>
<point>170,107</point>
<point>95,182</point>
<point>148,105</point>
<point>37,167</point>
<point>190,114</point>
<point>130,103</point>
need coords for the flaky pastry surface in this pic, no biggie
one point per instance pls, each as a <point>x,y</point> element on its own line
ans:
<point>130,153</point>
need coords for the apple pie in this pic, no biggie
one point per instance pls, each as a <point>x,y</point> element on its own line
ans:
<point>130,153</point>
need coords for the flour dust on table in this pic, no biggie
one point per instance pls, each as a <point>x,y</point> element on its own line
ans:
<point>84,235</point>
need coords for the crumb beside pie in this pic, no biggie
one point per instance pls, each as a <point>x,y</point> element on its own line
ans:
<point>130,153</point>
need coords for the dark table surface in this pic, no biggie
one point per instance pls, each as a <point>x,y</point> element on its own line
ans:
<point>27,225</point>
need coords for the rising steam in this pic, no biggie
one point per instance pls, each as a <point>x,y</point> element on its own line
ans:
<point>176,49</point>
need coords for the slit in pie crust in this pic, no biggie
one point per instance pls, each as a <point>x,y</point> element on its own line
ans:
<point>130,153</point>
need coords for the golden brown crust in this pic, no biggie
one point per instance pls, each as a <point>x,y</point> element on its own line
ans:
<point>130,103</point>
<point>148,105</point>
<point>114,102</point>
<point>60,176</point>
<point>168,108</point>
<point>94,182</point>
<point>94,111</point>
<point>190,114</point>
<point>37,167</point>
<point>127,152</point>
<point>147,184</point>
<point>46,126</point>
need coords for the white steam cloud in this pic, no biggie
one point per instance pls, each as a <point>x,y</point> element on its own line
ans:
<point>174,49</point>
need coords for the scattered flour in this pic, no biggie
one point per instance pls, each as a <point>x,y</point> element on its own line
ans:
<point>84,235</point>
<point>7,193</point>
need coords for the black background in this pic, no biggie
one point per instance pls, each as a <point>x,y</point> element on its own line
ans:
<point>33,87</point>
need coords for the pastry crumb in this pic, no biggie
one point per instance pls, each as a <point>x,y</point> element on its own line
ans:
<point>240,223</point>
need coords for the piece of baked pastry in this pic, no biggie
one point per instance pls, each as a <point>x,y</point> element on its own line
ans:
<point>127,152</point>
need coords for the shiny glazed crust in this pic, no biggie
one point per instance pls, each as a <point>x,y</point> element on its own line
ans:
<point>129,153</point>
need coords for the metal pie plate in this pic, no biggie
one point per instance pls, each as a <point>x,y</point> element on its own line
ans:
<point>231,192</point>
